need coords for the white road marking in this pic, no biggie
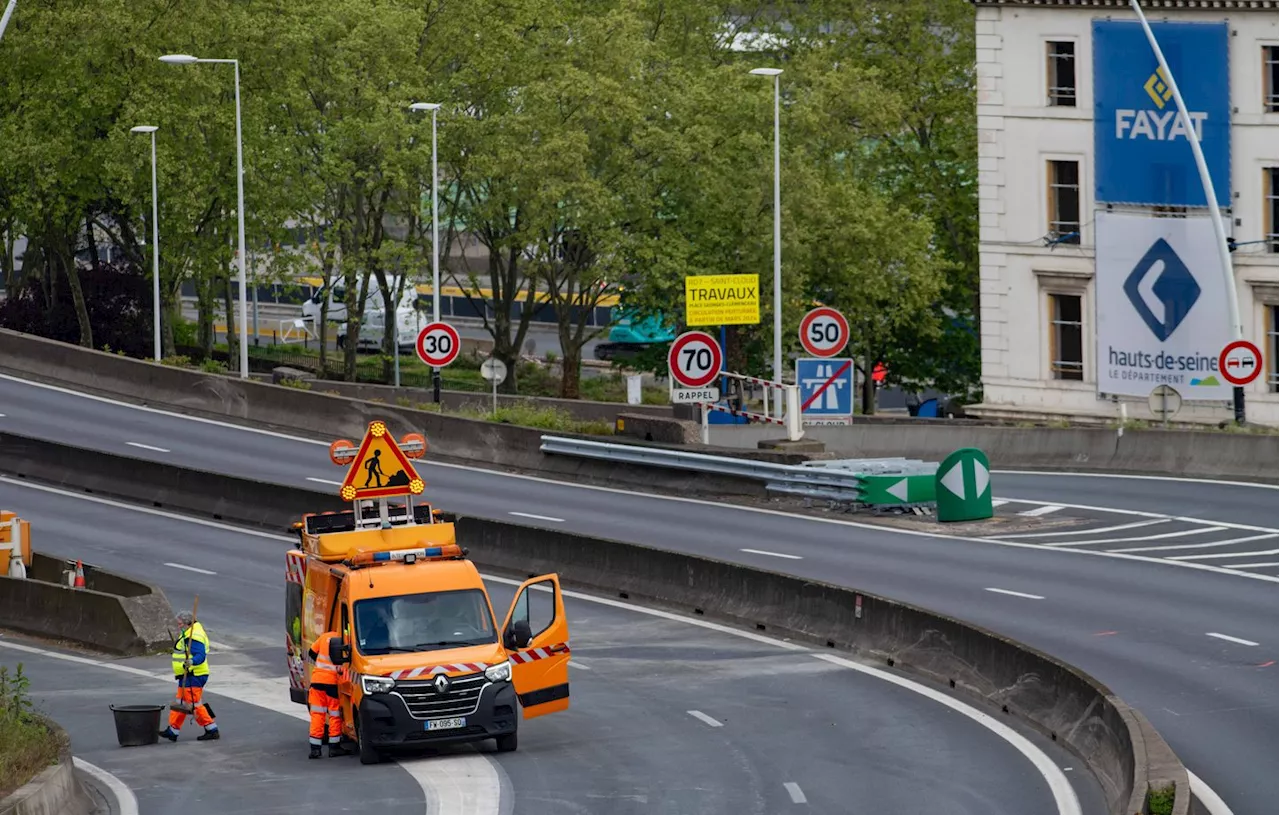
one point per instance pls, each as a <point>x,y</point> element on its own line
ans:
<point>797,794</point>
<point>325,481</point>
<point>537,517</point>
<point>189,568</point>
<point>704,718</point>
<point>1138,513</point>
<point>1229,638</point>
<point>1133,477</point>
<point>1078,531</point>
<point>577,663</point>
<point>1210,545</point>
<point>1015,594</point>
<point>1206,796</point>
<point>126,802</point>
<point>770,554</point>
<point>147,447</point>
<point>998,502</point>
<point>1225,554</point>
<point>1253,565</point>
<point>717,505</point>
<point>1181,533</point>
<point>1038,511</point>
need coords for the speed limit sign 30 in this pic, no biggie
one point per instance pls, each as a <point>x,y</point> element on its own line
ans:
<point>694,359</point>
<point>438,344</point>
<point>824,332</point>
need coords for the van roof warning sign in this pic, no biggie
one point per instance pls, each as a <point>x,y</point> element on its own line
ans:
<point>380,469</point>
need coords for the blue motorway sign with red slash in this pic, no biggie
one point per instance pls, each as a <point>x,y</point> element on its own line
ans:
<point>826,390</point>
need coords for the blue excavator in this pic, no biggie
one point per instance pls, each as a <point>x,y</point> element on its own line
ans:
<point>632,335</point>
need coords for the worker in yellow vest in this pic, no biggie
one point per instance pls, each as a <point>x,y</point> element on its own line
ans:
<point>191,668</point>
<point>322,698</point>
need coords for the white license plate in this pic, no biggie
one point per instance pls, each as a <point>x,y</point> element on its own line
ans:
<point>446,724</point>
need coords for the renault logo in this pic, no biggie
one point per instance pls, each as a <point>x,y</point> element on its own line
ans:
<point>442,683</point>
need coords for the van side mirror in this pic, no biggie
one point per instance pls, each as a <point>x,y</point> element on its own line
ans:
<point>339,654</point>
<point>519,635</point>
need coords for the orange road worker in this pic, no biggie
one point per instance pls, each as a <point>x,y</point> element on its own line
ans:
<point>191,669</point>
<point>323,698</point>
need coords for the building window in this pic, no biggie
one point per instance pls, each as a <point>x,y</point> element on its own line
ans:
<point>1066,336</point>
<point>1061,58</point>
<point>1271,207</point>
<point>1273,348</point>
<point>1064,200</point>
<point>1271,78</point>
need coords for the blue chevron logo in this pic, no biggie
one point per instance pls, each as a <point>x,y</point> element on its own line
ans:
<point>1173,291</point>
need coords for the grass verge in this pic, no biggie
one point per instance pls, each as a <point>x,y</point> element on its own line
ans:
<point>528,414</point>
<point>27,746</point>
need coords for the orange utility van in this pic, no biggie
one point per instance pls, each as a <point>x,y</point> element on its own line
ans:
<point>423,660</point>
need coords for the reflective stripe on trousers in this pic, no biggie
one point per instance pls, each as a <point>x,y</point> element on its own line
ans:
<point>322,707</point>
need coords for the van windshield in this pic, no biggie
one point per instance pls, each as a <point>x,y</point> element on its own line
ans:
<point>423,622</point>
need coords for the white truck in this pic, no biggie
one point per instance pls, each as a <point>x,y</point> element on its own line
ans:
<point>409,320</point>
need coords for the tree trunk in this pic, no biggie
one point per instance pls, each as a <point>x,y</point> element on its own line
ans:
<point>171,307</point>
<point>571,366</point>
<point>869,386</point>
<point>77,299</point>
<point>204,313</point>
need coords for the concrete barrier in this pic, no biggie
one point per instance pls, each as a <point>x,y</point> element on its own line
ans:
<point>54,790</point>
<point>1010,679</point>
<point>112,613</point>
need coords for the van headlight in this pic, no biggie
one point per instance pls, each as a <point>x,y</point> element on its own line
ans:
<point>499,673</point>
<point>376,684</point>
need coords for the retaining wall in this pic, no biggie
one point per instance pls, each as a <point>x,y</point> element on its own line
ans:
<point>1120,747</point>
<point>137,620</point>
<point>54,790</point>
<point>323,416</point>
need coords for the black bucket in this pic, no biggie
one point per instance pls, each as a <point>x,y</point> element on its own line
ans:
<point>137,725</point>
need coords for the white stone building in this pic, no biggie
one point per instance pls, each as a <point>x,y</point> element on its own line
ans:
<point>1036,147</point>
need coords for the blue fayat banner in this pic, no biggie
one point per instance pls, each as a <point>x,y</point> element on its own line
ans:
<point>1142,148</point>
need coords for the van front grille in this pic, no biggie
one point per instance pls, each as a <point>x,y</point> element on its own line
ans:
<point>425,702</point>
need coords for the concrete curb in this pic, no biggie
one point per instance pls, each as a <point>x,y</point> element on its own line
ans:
<point>1122,750</point>
<point>112,613</point>
<point>54,791</point>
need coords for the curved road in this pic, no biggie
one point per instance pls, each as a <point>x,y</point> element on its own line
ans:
<point>1194,649</point>
<point>654,698</point>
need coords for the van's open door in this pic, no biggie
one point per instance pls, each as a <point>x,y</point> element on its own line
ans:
<point>540,663</point>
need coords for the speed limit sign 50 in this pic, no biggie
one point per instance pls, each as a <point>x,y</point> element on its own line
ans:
<point>694,359</point>
<point>438,344</point>
<point>824,332</point>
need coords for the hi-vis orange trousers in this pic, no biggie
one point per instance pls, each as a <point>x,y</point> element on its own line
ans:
<point>324,706</point>
<point>191,696</point>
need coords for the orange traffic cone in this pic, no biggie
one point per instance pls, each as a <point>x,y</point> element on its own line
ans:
<point>79,584</point>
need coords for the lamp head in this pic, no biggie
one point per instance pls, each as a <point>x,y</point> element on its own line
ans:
<point>179,59</point>
<point>144,129</point>
<point>421,106</point>
<point>765,71</point>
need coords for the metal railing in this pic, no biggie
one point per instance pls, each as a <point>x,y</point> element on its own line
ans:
<point>833,480</point>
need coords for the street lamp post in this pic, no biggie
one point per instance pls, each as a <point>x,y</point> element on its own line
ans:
<point>435,236</point>
<point>187,59</point>
<point>777,222</point>
<point>1210,199</point>
<point>155,240</point>
<point>8,12</point>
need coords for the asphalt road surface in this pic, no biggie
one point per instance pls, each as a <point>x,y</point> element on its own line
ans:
<point>668,715</point>
<point>1191,643</point>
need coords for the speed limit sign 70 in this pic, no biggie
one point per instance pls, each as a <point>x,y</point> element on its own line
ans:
<point>824,332</point>
<point>438,344</point>
<point>694,359</point>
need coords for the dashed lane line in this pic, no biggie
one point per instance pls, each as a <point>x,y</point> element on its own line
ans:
<point>189,568</point>
<point>771,554</point>
<point>704,718</point>
<point>148,447</point>
<point>1015,593</point>
<point>797,794</point>
<point>1230,638</point>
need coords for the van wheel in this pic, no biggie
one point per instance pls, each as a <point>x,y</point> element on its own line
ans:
<point>368,755</point>
<point>507,743</point>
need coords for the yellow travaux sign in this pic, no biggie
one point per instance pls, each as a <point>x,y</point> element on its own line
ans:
<point>722,299</point>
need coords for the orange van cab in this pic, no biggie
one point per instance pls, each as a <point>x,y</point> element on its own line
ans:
<point>423,661</point>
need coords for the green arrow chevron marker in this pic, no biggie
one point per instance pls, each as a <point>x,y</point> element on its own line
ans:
<point>896,489</point>
<point>964,486</point>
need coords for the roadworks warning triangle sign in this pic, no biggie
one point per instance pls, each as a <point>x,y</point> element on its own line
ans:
<point>380,469</point>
